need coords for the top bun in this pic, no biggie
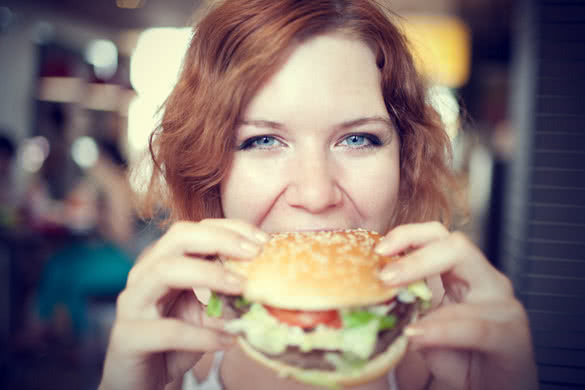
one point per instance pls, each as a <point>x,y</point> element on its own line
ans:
<point>316,271</point>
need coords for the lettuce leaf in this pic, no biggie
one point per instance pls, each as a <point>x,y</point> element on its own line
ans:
<point>420,290</point>
<point>345,361</point>
<point>242,303</point>
<point>267,334</point>
<point>355,318</point>
<point>214,306</point>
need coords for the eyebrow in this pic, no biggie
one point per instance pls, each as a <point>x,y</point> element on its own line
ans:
<point>366,121</point>
<point>343,126</point>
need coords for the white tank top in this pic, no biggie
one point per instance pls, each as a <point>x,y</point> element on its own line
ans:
<point>212,382</point>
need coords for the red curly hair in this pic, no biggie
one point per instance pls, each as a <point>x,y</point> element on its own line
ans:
<point>235,48</point>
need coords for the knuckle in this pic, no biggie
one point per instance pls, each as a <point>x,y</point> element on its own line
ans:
<point>208,221</point>
<point>177,227</point>
<point>518,307</point>
<point>482,331</point>
<point>241,224</point>
<point>172,334</point>
<point>209,227</point>
<point>398,230</point>
<point>518,311</point>
<point>116,333</point>
<point>160,269</point>
<point>460,240</point>
<point>119,330</point>
<point>183,227</point>
<point>437,226</point>
<point>121,303</point>
<point>121,298</point>
<point>133,276</point>
<point>506,285</point>
<point>148,251</point>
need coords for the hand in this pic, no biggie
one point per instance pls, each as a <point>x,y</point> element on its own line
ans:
<point>161,329</point>
<point>477,334</point>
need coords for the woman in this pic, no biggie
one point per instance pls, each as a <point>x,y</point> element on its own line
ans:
<point>303,115</point>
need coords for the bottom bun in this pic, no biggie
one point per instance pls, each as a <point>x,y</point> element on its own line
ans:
<point>375,368</point>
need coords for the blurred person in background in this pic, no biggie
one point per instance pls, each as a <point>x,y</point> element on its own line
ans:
<point>300,115</point>
<point>8,196</point>
<point>98,213</point>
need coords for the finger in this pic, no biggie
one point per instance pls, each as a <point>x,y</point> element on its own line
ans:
<point>197,315</point>
<point>152,336</point>
<point>212,322</point>
<point>180,273</point>
<point>188,309</point>
<point>203,294</point>
<point>435,283</point>
<point>470,333</point>
<point>203,240</point>
<point>459,369</point>
<point>196,239</point>
<point>466,272</point>
<point>494,327</point>
<point>498,330</point>
<point>504,311</point>
<point>405,237</point>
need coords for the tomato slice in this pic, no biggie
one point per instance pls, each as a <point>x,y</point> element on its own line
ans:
<point>306,319</point>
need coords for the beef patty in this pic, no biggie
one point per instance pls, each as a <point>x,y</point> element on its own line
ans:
<point>315,359</point>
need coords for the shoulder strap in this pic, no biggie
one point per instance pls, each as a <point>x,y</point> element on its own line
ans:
<point>212,382</point>
<point>392,382</point>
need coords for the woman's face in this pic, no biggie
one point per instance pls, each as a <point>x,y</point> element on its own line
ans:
<point>316,149</point>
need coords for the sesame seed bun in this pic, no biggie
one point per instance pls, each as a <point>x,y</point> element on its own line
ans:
<point>374,369</point>
<point>316,271</point>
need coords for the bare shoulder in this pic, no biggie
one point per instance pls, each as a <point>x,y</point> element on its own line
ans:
<point>412,372</point>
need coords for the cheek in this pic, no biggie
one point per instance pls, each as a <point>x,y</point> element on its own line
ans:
<point>249,190</point>
<point>375,191</point>
<point>373,188</point>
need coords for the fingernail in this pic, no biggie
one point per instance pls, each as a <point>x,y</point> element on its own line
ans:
<point>202,294</point>
<point>261,237</point>
<point>384,248</point>
<point>234,280</point>
<point>413,332</point>
<point>249,248</point>
<point>388,275</point>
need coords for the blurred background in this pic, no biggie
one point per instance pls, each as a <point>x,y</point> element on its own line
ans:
<point>80,84</point>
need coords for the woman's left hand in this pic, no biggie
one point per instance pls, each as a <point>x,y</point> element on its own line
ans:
<point>477,334</point>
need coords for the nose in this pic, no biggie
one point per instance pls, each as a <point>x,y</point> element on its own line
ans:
<point>313,184</point>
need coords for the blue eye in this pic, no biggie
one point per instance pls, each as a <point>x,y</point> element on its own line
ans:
<point>261,142</point>
<point>361,141</point>
<point>356,140</point>
<point>264,142</point>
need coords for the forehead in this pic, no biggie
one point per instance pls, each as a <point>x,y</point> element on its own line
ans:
<point>330,74</point>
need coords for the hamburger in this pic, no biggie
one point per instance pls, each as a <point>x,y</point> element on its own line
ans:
<point>315,310</point>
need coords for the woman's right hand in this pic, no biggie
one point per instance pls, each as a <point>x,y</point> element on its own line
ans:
<point>161,329</point>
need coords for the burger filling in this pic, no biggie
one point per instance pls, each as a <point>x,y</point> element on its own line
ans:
<point>329,340</point>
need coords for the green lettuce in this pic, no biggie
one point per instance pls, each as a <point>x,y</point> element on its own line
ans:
<point>355,318</point>
<point>242,303</point>
<point>345,361</point>
<point>271,336</point>
<point>421,290</point>
<point>214,306</point>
